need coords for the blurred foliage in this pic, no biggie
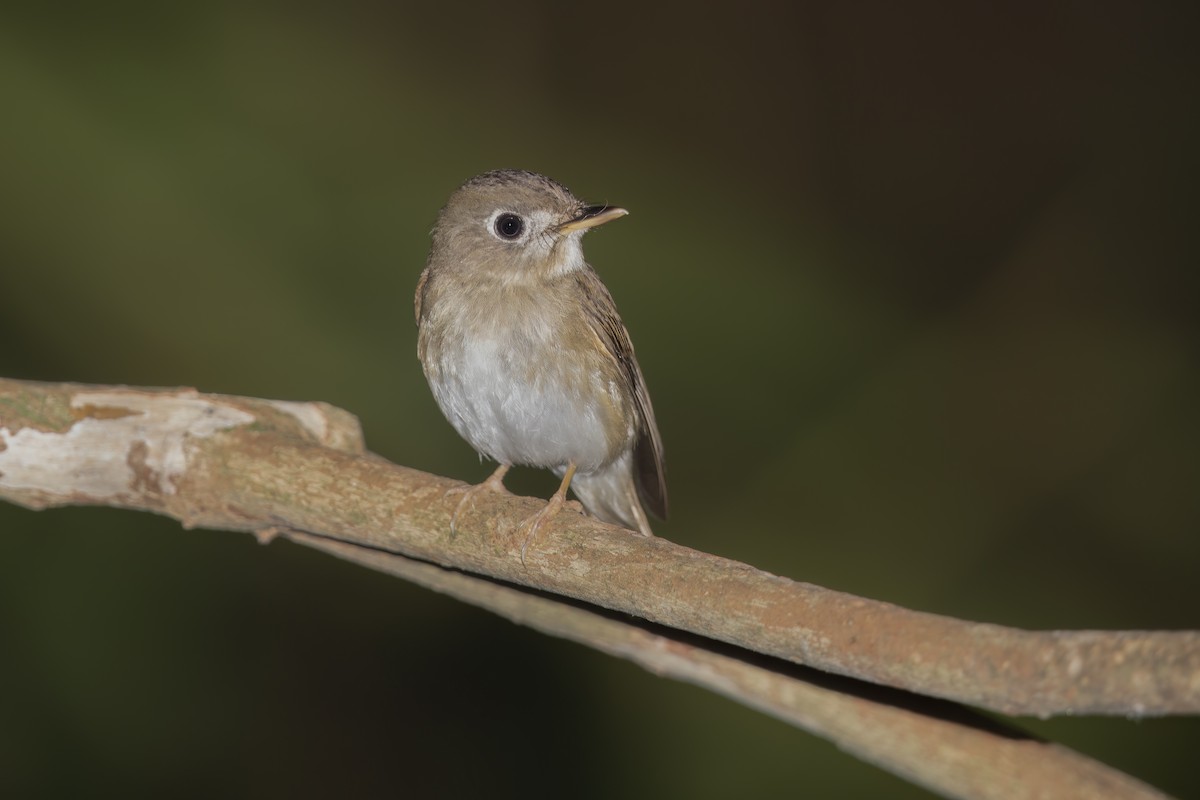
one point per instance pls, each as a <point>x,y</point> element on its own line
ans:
<point>914,288</point>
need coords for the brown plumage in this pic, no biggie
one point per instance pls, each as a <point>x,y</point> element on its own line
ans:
<point>526,354</point>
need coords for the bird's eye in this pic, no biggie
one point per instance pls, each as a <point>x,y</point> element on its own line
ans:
<point>509,226</point>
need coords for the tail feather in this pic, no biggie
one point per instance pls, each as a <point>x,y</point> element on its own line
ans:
<point>610,495</point>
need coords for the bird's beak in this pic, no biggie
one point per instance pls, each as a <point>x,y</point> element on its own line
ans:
<point>590,217</point>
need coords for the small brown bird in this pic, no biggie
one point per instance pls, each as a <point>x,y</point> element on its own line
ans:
<point>525,352</point>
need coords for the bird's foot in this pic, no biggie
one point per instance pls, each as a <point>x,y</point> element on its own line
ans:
<point>494,484</point>
<point>557,501</point>
<point>531,525</point>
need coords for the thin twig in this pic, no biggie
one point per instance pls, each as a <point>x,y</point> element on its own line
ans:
<point>945,748</point>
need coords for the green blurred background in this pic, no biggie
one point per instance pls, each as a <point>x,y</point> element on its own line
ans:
<point>914,287</point>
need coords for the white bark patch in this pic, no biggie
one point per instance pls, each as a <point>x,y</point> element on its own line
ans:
<point>125,443</point>
<point>308,415</point>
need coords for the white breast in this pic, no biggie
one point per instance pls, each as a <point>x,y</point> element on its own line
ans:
<point>518,398</point>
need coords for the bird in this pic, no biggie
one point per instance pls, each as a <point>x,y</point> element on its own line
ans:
<point>526,355</point>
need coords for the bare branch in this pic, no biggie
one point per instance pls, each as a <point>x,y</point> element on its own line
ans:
<point>936,744</point>
<point>238,463</point>
<point>263,466</point>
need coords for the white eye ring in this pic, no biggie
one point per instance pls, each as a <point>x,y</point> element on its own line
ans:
<point>507,226</point>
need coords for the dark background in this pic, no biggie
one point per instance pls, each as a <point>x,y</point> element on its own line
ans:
<point>914,287</point>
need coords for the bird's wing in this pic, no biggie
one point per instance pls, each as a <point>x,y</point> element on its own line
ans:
<point>418,305</point>
<point>649,472</point>
<point>420,296</point>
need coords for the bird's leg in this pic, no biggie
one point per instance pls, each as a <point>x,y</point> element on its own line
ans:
<point>556,502</point>
<point>493,483</point>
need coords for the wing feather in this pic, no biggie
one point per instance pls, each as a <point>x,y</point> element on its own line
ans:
<point>648,464</point>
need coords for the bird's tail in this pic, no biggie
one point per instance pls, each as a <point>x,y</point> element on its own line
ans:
<point>610,495</point>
